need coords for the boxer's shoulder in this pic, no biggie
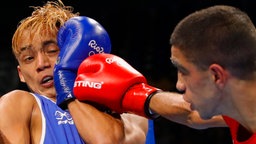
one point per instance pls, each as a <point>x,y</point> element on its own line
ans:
<point>18,99</point>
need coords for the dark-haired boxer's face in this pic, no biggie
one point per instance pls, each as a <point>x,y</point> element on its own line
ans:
<point>36,62</point>
<point>198,86</point>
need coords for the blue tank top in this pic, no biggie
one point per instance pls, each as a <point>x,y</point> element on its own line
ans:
<point>57,125</point>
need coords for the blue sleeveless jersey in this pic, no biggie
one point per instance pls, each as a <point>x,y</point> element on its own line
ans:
<point>150,139</point>
<point>57,125</point>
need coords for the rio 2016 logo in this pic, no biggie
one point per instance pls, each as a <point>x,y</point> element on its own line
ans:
<point>96,48</point>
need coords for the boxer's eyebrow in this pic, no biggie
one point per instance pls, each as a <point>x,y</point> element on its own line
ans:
<point>25,48</point>
<point>29,47</point>
<point>45,43</point>
<point>179,67</point>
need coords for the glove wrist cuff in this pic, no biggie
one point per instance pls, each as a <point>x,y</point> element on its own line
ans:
<point>149,113</point>
<point>64,104</point>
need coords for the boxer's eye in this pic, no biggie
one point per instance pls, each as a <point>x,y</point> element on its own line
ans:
<point>51,49</point>
<point>28,58</point>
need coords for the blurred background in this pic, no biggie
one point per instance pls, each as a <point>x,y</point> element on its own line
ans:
<point>139,31</point>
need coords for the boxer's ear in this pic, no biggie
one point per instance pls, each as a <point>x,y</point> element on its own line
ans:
<point>20,74</point>
<point>219,74</point>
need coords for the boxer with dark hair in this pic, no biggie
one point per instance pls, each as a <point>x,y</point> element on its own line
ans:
<point>214,50</point>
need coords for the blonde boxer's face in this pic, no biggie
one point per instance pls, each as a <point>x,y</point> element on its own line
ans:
<point>198,86</point>
<point>36,62</point>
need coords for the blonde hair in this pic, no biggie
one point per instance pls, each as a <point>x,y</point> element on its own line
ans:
<point>47,19</point>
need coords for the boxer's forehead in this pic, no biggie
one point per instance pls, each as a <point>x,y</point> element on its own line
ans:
<point>29,39</point>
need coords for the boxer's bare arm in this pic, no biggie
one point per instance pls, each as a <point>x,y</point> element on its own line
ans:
<point>136,128</point>
<point>173,107</point>
<point>93,125</point>
<point>20,121</point>
<point>128,129</point>
<point>17,109</point>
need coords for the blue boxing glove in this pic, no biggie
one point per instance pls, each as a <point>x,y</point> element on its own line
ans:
<point>79,38</point>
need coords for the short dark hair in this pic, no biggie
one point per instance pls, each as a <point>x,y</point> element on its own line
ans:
<point>219,34</point>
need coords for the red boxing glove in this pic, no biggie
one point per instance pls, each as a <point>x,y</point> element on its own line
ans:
<point>110,81</point>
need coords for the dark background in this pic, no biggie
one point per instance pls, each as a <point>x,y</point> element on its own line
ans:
<point>139,31</point>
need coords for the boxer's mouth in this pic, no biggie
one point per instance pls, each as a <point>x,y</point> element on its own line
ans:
<point>47,79</point>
